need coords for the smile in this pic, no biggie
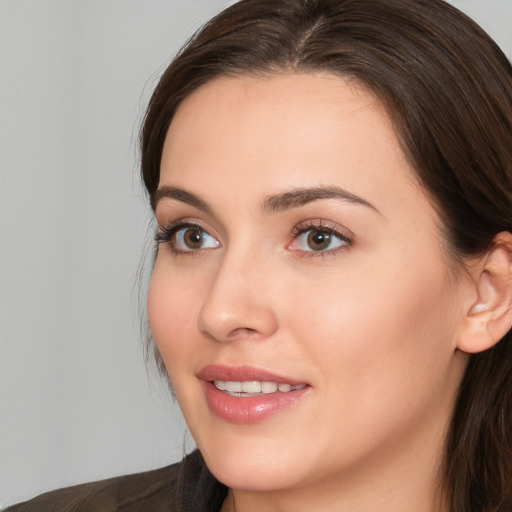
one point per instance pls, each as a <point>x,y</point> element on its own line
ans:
<point>247,394</point>
<point>254,387</point>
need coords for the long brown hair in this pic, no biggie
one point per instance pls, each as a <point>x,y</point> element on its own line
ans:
<point>448,89</point>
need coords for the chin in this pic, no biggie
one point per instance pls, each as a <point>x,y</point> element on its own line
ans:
<point>256,459</point>
<point>255,475</point>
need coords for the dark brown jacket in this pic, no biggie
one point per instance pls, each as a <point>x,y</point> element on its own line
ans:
<point>184,487</point>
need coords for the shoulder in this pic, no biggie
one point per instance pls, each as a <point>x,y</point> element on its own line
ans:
<point>183,486</point>
<point>124,493</point>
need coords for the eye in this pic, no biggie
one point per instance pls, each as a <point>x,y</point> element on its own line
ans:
<point>318,239</point>
<point>193,239</point>
<point>187,238</point>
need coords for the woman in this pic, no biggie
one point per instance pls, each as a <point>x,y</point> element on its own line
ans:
<point>332,290</point>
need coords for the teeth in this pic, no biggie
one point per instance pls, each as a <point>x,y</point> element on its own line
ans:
<point>254,387</point>
<point>251,387</point>
<point>233,387</point>
<point>268,387</point>
<point>220,384</point>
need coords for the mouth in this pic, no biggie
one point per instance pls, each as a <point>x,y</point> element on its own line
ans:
<point>249,395</point>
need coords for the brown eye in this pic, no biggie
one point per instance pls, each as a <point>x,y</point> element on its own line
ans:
<point>318,240</point>
<point>190,238</point>
<point>193,238</point>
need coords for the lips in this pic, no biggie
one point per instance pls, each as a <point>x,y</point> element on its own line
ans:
<point>244,374</point>
<point>247,395</point>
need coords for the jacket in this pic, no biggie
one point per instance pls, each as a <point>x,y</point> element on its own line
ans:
<point>187,486</point>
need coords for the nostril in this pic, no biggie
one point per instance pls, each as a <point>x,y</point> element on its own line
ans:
<point>244,332</point>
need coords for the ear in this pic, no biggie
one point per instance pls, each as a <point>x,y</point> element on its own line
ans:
<point>490,317</point>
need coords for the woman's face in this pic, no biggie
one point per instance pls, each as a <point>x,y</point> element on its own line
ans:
<point>297,250</point>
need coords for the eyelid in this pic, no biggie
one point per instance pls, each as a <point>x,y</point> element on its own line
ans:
<point>322,225</point>
<point>165,234</point>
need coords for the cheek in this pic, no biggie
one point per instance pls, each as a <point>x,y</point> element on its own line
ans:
<point>384,325</point>
<point>172,307</point>
<point>383,347</point>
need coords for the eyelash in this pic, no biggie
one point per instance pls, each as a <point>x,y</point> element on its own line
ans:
<point>323,227</point>
<point>166,235</point>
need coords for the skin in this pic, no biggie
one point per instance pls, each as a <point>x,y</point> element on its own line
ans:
<point>372,326</point>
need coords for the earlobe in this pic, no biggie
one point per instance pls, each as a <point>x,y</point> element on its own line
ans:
<point>490,317</point>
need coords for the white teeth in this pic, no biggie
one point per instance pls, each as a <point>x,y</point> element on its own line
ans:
<point>254,387</point>
<point>220,384</point>
<point>234,387</point>
<point>251,387</point>
<point>268,387</point>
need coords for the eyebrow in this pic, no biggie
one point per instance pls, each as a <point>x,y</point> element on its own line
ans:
<point>302,196</point>
<point>272,204</point>
<point>180,195</point>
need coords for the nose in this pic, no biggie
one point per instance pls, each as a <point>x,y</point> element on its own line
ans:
<point>239,302</point>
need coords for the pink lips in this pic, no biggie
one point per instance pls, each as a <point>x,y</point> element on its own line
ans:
<point>251,409</point>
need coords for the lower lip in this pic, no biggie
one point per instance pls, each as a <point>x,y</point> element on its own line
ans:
<point>250,409</point>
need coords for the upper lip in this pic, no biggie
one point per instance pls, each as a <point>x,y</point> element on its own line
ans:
<point>243,374</point>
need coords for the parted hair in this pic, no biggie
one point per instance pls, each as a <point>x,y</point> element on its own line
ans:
<point>447,88</point>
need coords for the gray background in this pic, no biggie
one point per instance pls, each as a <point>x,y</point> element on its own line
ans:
<point>76,400</point>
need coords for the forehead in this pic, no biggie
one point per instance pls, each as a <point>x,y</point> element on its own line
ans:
<point>264,135</point>
<point>283,122</point>
<point>296,95</point>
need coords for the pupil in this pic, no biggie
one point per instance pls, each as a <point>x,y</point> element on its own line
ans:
<point>193,238</point>
<point>319,240</point>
